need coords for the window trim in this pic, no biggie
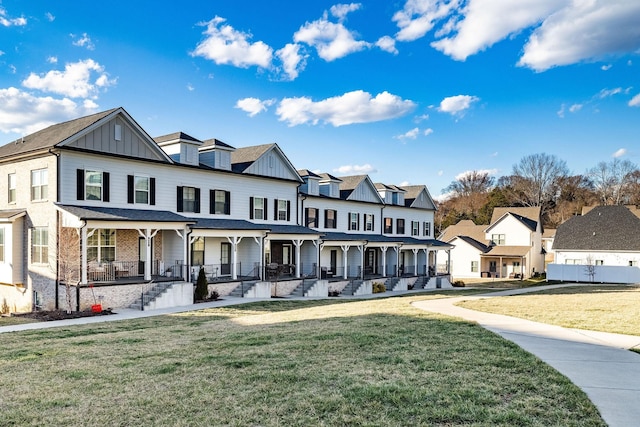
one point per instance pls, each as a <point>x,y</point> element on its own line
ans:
<point>253,209</point>
<point>40,234</point>
<point>368,222</point>
<point>415,228</point>
<point>12,188</point>
<point>214,203</point>
<point>475,267</point>
<point>330,223</point>
<point>43,186</point>
<point>311,221</point>
<point>2,247</point>
<point>388,225</point>
<point>101,246</point>
<point>426,229</point>
<point>181,200</point>
<point>400,226</point>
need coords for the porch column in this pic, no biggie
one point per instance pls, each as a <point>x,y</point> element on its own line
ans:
<point>260,242</point>
<point>234,240</point>
<point>435,262</point>
<point>83,251</point>
<point>297,244</point>
<point>317,243</point>
<point>345,249</point>
<point>397,249</point>
<point>384,260</point>
<point>448,261</point>
<point>185,252</point>
<point>415,261</point>
<point>426,262</point>
<point>361,249</point>
<point>147,234</point>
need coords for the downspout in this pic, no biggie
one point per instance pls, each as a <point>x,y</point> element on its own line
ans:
<point>300,211</point>
<point>298,214</point>
<point>57,282</point>
<point>84,224</point>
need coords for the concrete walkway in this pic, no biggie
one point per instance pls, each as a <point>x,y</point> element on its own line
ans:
<point>597,362</point>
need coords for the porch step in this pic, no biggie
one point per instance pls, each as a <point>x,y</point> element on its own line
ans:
<point>391,283</point>
<point>242,288</point>
<point>352,287</point>
<point>302,287</point>
<point>421,282</point>
<point>151,295</point>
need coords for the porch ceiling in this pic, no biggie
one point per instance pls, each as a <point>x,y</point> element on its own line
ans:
<point>102,217</point>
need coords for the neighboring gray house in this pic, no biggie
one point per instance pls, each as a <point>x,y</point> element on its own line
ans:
<point>602,245</point>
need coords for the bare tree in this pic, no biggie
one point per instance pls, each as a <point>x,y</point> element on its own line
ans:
<point>68,257</point>
<point>613,181</point>
<point>536,179</point>
<point>470,183</point>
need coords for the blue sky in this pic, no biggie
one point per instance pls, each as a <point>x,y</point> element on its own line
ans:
<point>410,91</point>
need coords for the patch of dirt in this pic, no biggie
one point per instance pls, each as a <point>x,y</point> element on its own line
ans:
<point>49,315</point>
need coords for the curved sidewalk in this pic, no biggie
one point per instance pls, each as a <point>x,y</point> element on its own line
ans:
<point>597,362</point>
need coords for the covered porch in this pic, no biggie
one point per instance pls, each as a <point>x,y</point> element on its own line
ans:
<point>505,262</point>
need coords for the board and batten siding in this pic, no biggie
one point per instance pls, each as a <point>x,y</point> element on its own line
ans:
<point>131,143</point>
<point>365,193</point>
<point>272,165</point>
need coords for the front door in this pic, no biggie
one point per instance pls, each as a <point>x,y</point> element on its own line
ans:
<point>370,261</point>
<point>225,258</point>
<point>142,254</point>
<point>333,261</point>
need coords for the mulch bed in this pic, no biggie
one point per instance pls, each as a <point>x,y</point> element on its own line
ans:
<point>49,315</point>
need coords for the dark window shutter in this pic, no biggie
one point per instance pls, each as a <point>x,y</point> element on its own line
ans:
<point>250,207</point>
<point>264,211</point>
<point>197,203</point>
<point>212,201</point>
<point>288,210</point>
<point>80,184</point>
<point>227,203</point>
<point>306,217</point>
<point>180,200</point>
<point>349,221</point>
<point>373,223</point>
<point>152,191</point>
<point>358,222</point>
<point>130,189</point>
<point>326,213</point>
<point>105,186</point>
<point>275,209</point>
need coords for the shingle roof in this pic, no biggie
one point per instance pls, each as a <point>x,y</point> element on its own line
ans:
<point>175,136</point>
<point>412,192</point>
<point>473,242</point>
<point>604,228</point>
<point>244,157</point>
<point>215,143</point>
<point>10,213</point>
<point>117,214</point>
<point>307,172</point>
<point>329,177</point>
<point>464,228</point>
<point>349,183</point>
<point>52,135</point>
<point>508,251</point>
<point>532,213</point>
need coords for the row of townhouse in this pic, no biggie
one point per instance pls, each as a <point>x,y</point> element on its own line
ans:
<point>96,208</point>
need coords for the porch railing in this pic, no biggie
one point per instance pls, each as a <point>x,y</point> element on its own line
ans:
<point>114,270</point>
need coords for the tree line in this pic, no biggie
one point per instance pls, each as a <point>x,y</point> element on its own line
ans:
<point>540,180</point>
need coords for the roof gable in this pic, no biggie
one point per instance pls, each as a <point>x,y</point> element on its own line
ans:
<point>464,228</point>
<point>417,196</point>
<point>359,188</point>
<point>265,160</point>
<point>533,213</point>
<point>604,228</point>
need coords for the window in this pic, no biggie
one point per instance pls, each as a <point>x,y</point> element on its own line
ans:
<point>92,185</point>
<point>427,229</point>
<point>368,222</point>
<point>1,244</point>
<point>197,251</point>
<point>40,245</point>
<point>399,226</point>
<point>311,217</point>
<point>188,199</point>
<point>415,228</point>
<point>101,245</point>
<point>12,187</point>
<point>493,266</point>
<point>498,239</point>
<point>388,225</point>
<point>599,262</point>
<point>141,190</point>
<point>354,221</point>
<point>39,188</point>
<point>281,210</point>
<point>258,208</point>
<point>220,202</point>
<point>573,261</point>
<point>474,266</point>
<point>330,218</point>
<point>633,263</point>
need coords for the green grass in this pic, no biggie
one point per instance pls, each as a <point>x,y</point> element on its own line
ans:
<point>613,309</point>
<point>283,363</point>
<point>14,320</point>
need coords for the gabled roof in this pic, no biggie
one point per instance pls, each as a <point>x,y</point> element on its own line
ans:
<point>244,157</point>
<point>215,143</point>
<point>532,213</point>
<point>508,251</point>
<point>307,172</point>
<point>604,228</point>
<point>413,192</point>
<point>389,187</point>
<point>11,214</point>
<point>350,183</point>
<point>464,228</point>
<point>473,242</point>
<point>53,135</point>
<point>329,177</point>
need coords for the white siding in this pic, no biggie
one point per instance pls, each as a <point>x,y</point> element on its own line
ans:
<point>516,233</point>
<point>461,259</point>
<point>409,214</point>
<point>365,192</point>
<point>343,208</point>
<point>608,258</point>
<point>272,164</point>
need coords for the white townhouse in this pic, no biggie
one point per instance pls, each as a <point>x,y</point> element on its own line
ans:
<point>510,246</point>
<point>97,207</point>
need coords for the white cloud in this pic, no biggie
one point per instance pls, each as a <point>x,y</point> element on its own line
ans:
<point>83,41</point>
<point>52,60</point>
<point>190,87</point>
<point>575,108</point>
<point>1,52</point>
<point>606,93</point>
<point>50,17</point>
<point>355,169</point>
<point>420,118</point>
<point>404,183</point>
<point>23,113</point>
<point>388,44</point>
<point>225,45</point>
<point>457,105</point>
<point>494,154</point>
<point>427,132</point>
<point>635,101</point>
<point>584,30</point>
<point>412,134</point>
<point>75,81</point>
<point>340,11</point>
<point>332,41</point>
<point>606,67</point>
<point>254,106</point>
<point>352,107</point>
<point>619,153</point>
<point>292,60</point>
<point>11,22</point>
<point>419,16</point>
<point>490,172</point>
<point>443,197</point>
<point>481,23</point>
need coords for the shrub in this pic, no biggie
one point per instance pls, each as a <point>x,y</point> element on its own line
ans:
<point>202,286</point>
<point>214,295</point>
<point>458,284</point>
<point>379,288</point>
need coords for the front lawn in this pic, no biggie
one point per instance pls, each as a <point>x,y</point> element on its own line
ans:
<point>375,362</point>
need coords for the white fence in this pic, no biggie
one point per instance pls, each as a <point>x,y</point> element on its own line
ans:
<point>593,273</point>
